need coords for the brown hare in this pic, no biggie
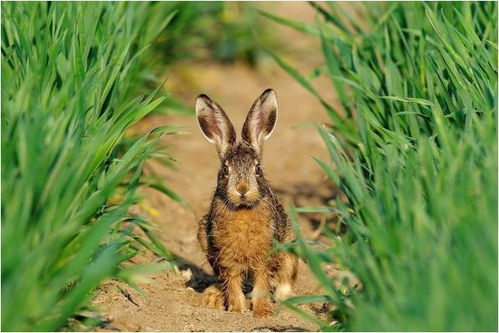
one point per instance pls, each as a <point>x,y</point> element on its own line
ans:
<point>245,215</point>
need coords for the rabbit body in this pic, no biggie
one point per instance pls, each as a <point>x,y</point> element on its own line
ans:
<point>243,239</point>
<point>245,216</point>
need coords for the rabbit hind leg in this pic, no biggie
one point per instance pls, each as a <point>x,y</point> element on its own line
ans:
<point>286,276</point>
<point>213,298</point>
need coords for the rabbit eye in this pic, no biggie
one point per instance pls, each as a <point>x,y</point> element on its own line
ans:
<point>258,170</point>
<point>225,170</point>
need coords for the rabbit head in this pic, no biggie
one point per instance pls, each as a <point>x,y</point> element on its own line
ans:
<point>240,180</point>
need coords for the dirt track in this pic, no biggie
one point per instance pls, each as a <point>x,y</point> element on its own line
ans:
<point>172,302</point>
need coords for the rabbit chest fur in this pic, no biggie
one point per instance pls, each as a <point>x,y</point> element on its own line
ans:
<point>242,237</point>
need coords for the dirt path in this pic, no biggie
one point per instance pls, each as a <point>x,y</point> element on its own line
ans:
<point>172,302</point>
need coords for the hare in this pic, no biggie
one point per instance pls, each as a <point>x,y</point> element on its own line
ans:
<point>245,215</point>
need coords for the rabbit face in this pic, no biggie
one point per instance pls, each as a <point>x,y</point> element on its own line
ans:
<point>240,179</point>
<point>240,176</point>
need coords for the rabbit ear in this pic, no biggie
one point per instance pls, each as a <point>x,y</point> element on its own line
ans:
<point>215,124</point>
<point>261,120</point>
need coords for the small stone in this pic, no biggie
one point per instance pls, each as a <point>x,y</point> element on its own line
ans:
<point>186,274</point>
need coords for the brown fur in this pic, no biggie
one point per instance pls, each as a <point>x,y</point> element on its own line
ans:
<point>245,216</point>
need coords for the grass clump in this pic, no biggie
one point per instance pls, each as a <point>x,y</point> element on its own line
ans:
<point>414,148</point>
<point>220,31</point>
<point>69,71</point>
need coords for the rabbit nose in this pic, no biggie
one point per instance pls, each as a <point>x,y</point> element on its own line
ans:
<point>242,188</point>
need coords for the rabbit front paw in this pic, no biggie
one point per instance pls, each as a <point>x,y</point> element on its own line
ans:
<point>262,307</point>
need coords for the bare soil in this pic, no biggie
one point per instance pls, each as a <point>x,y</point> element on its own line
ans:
<point>171,301</point>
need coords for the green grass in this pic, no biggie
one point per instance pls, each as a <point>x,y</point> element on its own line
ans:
<point>219,31</point>
<point>210,31</point>
<point>413,145</point>
<point>69,80</point>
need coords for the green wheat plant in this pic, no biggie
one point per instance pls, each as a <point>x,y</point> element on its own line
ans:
<point>69,77</point>
<point>413,145</point>
<point>220,31</point>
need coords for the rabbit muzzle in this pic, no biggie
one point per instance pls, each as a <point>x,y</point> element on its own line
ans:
<point>242,188</point>
<point>243,194</point>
